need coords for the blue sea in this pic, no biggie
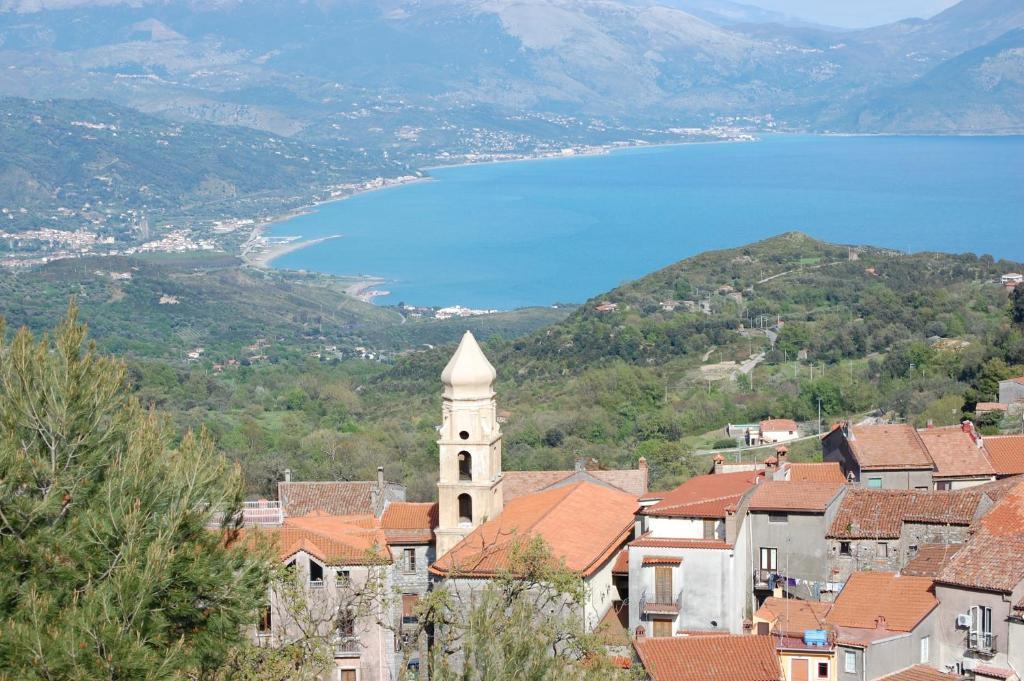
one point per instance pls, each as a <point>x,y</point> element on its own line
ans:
<point>509,235</point>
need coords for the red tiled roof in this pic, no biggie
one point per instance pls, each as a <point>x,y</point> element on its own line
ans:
<point>786,495</point>
<point>336,498</point>
<point>409,523</point>
<point>920,672</point>
<point>792,616</point>
<point>992,672</point>
<point>954,452</point>
<point>778,425</point>
<point>583,524</point>
<point>880,513</point>
<point>990,406</point>
<point>902,600</point>
<point>889,446</point>
<point>515,484</point>
<point>662,560</point>
<point>704,496</point>
<point>709,658</point>
<point>930,560</point>
<point>646,541</point>
<point>991,557</point>
<point>621,566</point>
<point>1006,452</point>
<point>816,472</point>
<point>334,540</point>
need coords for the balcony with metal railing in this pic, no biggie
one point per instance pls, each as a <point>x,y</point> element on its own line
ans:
<point>763,579</point>
<point>347,646</point>
<point>660,605</point>
<point>982,643</point>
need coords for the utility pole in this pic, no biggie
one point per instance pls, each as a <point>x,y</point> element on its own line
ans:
<point>819,416</point>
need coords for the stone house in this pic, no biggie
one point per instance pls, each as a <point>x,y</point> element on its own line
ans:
<point>885,456</point>
<point>787,522</point>
<point>882,529</point>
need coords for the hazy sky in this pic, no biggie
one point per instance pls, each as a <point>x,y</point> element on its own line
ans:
<point>855,13</point>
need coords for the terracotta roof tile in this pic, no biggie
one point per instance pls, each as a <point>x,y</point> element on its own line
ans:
<point>515,484</point>
<point>920,672</point>
<point>336,498</point>
<point>709,658</point>
<point>705,496</point>
<point>989,671</point>
<point>902,600</point>
<point>930,560</point>
<point>786,495</point>
<point>584,524</point>
<point>621,566</point>
<point>778,425</point>
<point>990,406</point>
<point>889,446</point>
<point>815,472</point>
<point>1006,452</point>
<point>792,616</point>
<point>646,541</point>
<point>334,540</point>
<point>880,513</point>
<point>409,523</point>
<point>662,560</point>
<point>991,557</point>
<point>955,454</point>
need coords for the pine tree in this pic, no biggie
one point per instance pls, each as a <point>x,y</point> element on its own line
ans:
<point>109,568</point>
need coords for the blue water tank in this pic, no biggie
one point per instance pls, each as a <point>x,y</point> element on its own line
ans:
<point>816,637</point>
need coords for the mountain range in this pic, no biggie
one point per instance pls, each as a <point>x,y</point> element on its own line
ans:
<point>374,73</point>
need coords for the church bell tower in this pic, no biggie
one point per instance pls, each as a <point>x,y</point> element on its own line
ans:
<point>469,484</point>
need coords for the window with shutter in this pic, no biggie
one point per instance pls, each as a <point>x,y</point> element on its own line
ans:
<point>663,585</point>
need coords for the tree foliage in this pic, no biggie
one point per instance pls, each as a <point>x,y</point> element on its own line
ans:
<point>109,568</point>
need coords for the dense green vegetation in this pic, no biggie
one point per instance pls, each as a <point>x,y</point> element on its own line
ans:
<point>920,337</point>
<point>109,568</point>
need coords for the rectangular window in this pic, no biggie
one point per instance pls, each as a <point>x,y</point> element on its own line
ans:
<point>662,628</point>
<point>981,628</point>
<point>710,528</point>
<point>924,649</point>
<point>823,670</point>
<point>875,483</point>
<point>346,675</point>
<point>943,485</point>
<point>769,558</point>
<point>778,517</point>
<point>409,602</point>
<point>342,579</point>
<point>844,548</point>
<point>663,585</point>
<point>409,560</point>
<point>882,550</point>
<point>849,662</point>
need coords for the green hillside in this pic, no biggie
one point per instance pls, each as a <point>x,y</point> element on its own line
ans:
<point>918,337</point>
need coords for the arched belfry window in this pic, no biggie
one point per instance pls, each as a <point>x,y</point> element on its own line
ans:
<point>465,509</point>
<point>465,466</point>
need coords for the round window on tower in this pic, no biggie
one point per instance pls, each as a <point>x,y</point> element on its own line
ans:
<point>464,434</point>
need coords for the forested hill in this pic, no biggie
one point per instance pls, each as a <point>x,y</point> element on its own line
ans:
<point>641,371</point>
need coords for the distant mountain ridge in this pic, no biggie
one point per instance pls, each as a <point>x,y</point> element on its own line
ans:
<point>307,68</point>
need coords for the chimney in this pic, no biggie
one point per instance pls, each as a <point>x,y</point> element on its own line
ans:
<point>930,424</point>
<point>719,460</point>
<point>581,464</point>
<point>287,474</point>
<point>380,477</point>
<point>641,465</point>
<point>771,462</point>
<point>968,427</point>
<point>880,622</point>
<point>640,631</point>
<point>782,453</point>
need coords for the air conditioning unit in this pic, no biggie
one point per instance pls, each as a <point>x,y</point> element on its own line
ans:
<point>963,621</point>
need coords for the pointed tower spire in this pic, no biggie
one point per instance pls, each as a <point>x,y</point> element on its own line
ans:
<point>469,445</point>
<point>468,375</point>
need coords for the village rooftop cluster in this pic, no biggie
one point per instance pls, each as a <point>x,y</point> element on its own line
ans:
<point>900,556</point>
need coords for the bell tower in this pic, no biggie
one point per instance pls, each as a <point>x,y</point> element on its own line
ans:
<point>469,483</point>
